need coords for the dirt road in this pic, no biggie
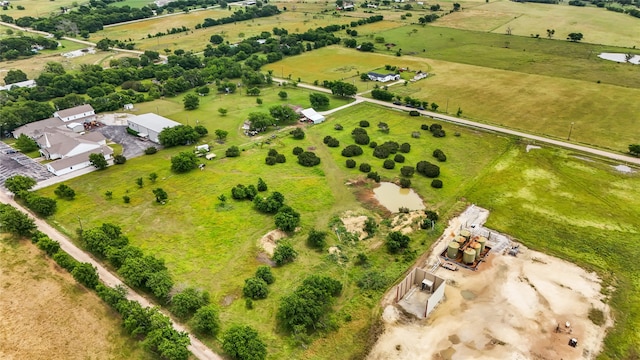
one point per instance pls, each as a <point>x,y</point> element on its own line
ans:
<point>197,348</point>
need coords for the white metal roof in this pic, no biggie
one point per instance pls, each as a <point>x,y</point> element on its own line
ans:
<point>153,122</point>
<point>312,115</point>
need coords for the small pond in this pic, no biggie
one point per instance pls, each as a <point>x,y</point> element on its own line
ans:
<point>393,197</point>
<point>620,57</point>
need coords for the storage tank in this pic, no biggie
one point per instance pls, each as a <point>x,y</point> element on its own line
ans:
<point>478,248</point>
<point>460,239</point>
<point>465,233</point>
<point>469,256</point>
<point>482,241</point>
<point>452,250</point>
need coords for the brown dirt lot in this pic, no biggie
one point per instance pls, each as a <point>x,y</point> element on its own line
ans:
<point>44,314</point>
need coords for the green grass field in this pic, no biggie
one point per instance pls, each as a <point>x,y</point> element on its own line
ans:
<point>598,25</point>
<point>216,250</point>
<point>534,196</point>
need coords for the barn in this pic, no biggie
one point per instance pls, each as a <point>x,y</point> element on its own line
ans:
<point>150,125</point>
<point>312,115</point>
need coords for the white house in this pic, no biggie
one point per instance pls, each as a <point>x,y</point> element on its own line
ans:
<point>82,113</point>
<point>150,125</point>
<point>58,144</point>
<point>78,161</point>
<point>312,115</point>
<point>383,77</point>
<point>21,84</point>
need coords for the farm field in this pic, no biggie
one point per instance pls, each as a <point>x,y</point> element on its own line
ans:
<point>598,25</point>
<point>533,103</point>
<point>556,58</point>
<point>533,196</point>
<point>45,314</point>
<point>37,8</point>
<point>201,244</point>
<point>303,18</point>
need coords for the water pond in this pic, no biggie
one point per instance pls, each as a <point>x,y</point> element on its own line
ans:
<point>393,197</point>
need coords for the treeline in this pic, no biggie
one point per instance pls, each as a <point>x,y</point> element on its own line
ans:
<point>146,324</point>
<point>249,13</point>
<point>13,47</point>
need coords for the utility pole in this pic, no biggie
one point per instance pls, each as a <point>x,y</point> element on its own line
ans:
<point>570,129</point>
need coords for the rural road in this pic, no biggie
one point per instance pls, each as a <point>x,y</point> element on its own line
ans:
<point>469,123</point>
<point>197,348</point>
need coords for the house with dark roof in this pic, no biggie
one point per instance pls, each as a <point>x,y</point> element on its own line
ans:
<point>82,113</point>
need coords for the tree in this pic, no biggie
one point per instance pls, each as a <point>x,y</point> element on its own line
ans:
<point>19,183</point>
<point>284,253</point>
<point>15,221</point>
<point>436,184</point>
<point>191,102</point>
<point>259,121</point>
<point>283,95</point>
<point>41,205</point>
<point>254,91</point>
<point>243,343</point>
<point>153,177</point>
<point>160,283</point>
<point>575,37</point>
<point>407,171</point>
<point>319,101</point>
<point>264,272</point>
<point>65,192</point>
<point>188,301</point>
<point>297,133</point>
<point>396,242</point>
<point>222,111</point>
<point>178,135</point>
<point>456,7</point>
<point>316,239</point>
<point>262,186</point>
<point>308,159</point>
<point>287,219</point>
<point>201,130</point>
<point>216,39</point>
<point>233,151</point>
<point>119,159</point>
<point>428,169</point>
<point>634,149</point>
<point>255,288</point>
<point>310,302</point>
<point>160,194</point>
<point>14,76</point>
<point>98,161</point>
<point>550,33</point>
<point>26,144</point>
<point>343,89</point>
<point>86,274</point>
<point>206,320</point>
<point>283,114</point>
<point>184,162</point>
<point>221,134</point>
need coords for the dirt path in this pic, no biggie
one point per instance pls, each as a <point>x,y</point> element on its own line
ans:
<point>197,348</point>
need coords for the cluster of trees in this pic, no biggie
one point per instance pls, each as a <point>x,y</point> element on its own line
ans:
<point>63,191</point>
<point>20,186</point>
<point>330,141</point>
<point>184,162</point>
<point>14,47</point>
<point>274,158</point>
<point>256,287</point>
<point>439,154</point>
<point>173,30</point>
<point>307,308</point>
<point>308,159</point>
<point>181,135</point>
<point>397,242</point>
<point>340,88</point>
<point>248,13</point>
<point>435,129</point>
<point>241,192</point>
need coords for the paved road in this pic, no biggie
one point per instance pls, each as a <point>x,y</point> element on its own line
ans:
<point>197,348</point>
<point>469,123</point>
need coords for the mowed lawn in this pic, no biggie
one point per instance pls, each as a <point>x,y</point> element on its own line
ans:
<point>598,25</point>
<point>216,250</point>
<point>534,197</point>
<point>46,314</point>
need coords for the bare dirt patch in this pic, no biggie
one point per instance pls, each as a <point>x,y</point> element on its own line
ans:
<point>508,309</point>
<point>44,314</point>
<point>406,223</point>
<point>355,224</point>
<point>269,240</point>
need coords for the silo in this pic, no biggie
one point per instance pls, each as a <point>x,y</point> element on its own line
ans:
<point>478,248</point>
<point>460,239</point>
<point>465,233</point>
<point>452,250</point>
<point>469,256</point>
<point>482,241</point>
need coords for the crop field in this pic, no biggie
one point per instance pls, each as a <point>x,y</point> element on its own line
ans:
<point>556,58</point>
<point>201,243</point>
<point>45,314</point>
<point>532,196</point>
<point>299,20</point>
<point>37,8</point>
<point>598,25</point>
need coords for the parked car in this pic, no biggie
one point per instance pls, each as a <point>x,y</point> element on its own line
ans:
<point>10,151</point>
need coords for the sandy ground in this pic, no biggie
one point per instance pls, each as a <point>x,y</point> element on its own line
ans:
<point>508,309</point>
<point>41,316</point>
<point>269,240</point>
<point>354,224</point>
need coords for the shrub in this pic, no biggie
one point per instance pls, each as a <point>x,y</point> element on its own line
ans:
<point>373,144</point>
<point>399,158</point>
<point>396,242</point>
<point>126,199</point>
<point>284,253</point>
<point>65,261</point>
<point>326,139</point>
<point>308,159</point>
<point>414,113</point>
<point>150,150</point>
<point>364,167</point>
<point>373,280</point>
<point>364,123</point>
<point>255,288</point>
<point>405,183</point>
<point>243,343</point>
<point>428,169</point>
<point>316,239</point>
<point>273,152</point>
<point>389,164</point>
<point>338,127</point>
<point>405,148</point>
<point>373,176</point>
<point>264,272</point>
<point>188,301</point>
<point>297,134</point>
<point>392,146</point>
<point>415,134</point>
<point>381,152</point>
<point>281,159</point>
<point>333,142</point>
<point>362,139</point>
<point>352,150</point>
<point>424,127</point>
<point>437,184</point>
<point>65,192</point>
<point>184,162</point>
<point>297,150</point>
<point>407,170</point>
<point>439,154</point>
<point>351,163</point>
<point>206,320</point>
<point>119,159</point>
<point>233,151</point>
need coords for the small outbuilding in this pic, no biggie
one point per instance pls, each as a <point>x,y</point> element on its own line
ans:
<point>312,115</point>
<point>150,125</point>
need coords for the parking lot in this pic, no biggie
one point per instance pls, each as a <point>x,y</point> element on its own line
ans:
<point>12,164</point>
